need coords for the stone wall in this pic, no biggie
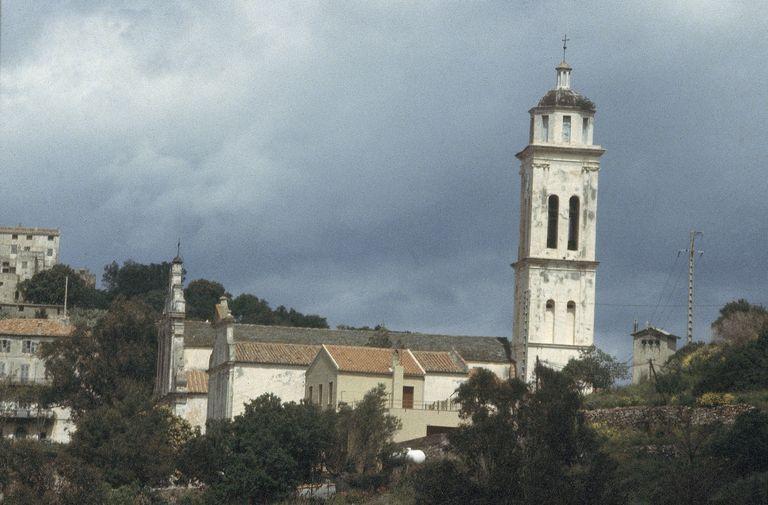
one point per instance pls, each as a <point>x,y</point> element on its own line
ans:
<point>641,418</point>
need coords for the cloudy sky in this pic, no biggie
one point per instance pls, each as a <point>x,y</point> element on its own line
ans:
<point>356,159</point>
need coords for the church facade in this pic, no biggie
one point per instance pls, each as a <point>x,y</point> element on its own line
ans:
<point>555,272</point>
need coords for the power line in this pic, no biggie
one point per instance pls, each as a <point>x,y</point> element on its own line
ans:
<point>664,287</point>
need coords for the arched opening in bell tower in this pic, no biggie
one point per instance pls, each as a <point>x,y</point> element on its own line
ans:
<point>552,216</point>
<point>571,310</point>
<point>549,320</point>
<point>573,223</point>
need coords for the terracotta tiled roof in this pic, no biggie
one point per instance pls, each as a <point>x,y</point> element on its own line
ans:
<point>471,348</point>
<point>40,327</point>
<point>440,362</point>
<point>372,359</point>
<point>278,354</point>
<point>197,381</point>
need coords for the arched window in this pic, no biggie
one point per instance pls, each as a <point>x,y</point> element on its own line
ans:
<point>549,320</point>
<point>573,223</point>
<point>552,210</point>
<point>571,310</point>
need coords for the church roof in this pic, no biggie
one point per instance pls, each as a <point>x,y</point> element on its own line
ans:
<point>275,354</point>
<point>484,349</point>
<point>372,360</point>
<point>566,98</point>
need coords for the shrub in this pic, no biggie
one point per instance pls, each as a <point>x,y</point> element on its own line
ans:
<point>715,399</point>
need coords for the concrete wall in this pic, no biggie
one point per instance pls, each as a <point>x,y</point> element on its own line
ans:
<point>415,422</point>
<point>193,408</point>
<point>197,358</point>
<point>13,360</point>
<point>441,387</point>
<point>642,353</point>
<point>502,370</point>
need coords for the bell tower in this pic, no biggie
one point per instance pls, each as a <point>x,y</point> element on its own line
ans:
<point>555,270</point>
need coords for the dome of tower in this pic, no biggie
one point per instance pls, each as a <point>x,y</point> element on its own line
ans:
<point>566,98</point>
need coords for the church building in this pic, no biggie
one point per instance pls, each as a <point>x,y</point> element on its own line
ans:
<point>554,310</point>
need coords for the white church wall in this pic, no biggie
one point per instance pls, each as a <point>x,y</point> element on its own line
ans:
<point>502,370</point>
<point>196,358</point>
<point>440,387</point>
<point>251,381</point>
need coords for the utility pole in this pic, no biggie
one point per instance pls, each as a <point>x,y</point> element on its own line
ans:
<point>691,256</point>
<point>66,289</point>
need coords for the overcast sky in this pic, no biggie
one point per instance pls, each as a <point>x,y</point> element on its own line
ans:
<point>356,159</point>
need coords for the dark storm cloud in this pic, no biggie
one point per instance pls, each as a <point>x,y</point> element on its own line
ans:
<point>357,159</point>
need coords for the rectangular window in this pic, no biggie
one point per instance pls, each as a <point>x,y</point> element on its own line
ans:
<point>566,129</point>
<point>5,345</point>
<point>24,264</point>
<point>407,397</point>
<point>24,373</point>
<point>15,237</point>
<point>50,252</point>
<point>29,237</point>
<point>545,128</point>
<point>29,347</point>
<point>50,237</point>
<point>330,393</point>
<point>310,394</point>
<point>27,248</point>
<point>585,130</point>
<point>320,394</point>
<point>14,249</point>
<point>2,369</point>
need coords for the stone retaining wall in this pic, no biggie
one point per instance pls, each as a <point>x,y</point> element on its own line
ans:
<point>641,418</point>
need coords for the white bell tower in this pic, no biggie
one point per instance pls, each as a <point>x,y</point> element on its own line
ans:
<point>555,271</point>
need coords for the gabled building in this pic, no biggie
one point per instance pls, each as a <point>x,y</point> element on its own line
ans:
<point>342,375</point>
<point>651,347</point>
<point>20,367</point>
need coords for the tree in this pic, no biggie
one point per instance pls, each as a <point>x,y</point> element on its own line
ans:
<point>261,455</point>
<point>596,369</point>
<point>517,435</point>
<point>47,287</point>
<point>202,296</point>
<point>131,440</point>
<point>379,338</point>
<point>135,280</point>
<point>249,309</point>
<point>739,322</point>
<point>93,367</point>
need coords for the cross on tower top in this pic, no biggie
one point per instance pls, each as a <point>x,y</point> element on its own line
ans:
<point>565,44</point>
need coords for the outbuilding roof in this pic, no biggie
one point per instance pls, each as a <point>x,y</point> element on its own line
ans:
<point>275,353</point>
<point>35,327</point>
<point>373,360</point>
<point>440,362</point>
<point>471,348</point>
<point>197,381</point>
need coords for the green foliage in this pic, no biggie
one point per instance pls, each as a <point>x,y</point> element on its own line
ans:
<point>47,287</point>
<point>33,472</point>
<point>516,436</point>
<point>444,482</point>
<point>130,440</point>
<point>737,368</point>
<point>752,490</point>
<point>263,454</point>
<point>249,309</point>
<point>740,322</point>
<point>148,283</point>
<point>745,445</point>
<point>625,396</point>
<point>202,296</point>
<point>596,369</point>
<point>94,367</point>
<point>365,432</point>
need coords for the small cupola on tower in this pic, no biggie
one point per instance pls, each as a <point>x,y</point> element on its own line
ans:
<point>563,75</point>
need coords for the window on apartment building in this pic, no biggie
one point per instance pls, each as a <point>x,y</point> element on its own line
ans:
<point>319,394</point>
<point>29,346</point>
<point>24,264</point>
<point>5,345</point>
<point>2,369</point>
<point>14,249</point>
<point>29,237</point>
<point>49,252</point>
<point>27,248</point>
<point>24,373</point>
<point>330,393</point>
<point>407,397</point>
<point>15,237</point>
<point>50,237</point>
